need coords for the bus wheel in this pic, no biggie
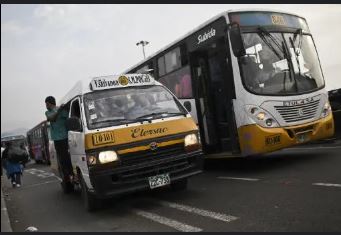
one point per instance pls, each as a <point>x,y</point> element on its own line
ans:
<point>91,203</point>
<point>179,185</point>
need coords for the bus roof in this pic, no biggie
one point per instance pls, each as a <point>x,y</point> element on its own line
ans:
<point>225,13</point>
<point>108,82</point>
<point>12,138</point>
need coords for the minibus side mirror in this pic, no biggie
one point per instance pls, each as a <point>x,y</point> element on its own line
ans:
<point>237,40</point>
<point>74,124</point>
<point>188,106</point>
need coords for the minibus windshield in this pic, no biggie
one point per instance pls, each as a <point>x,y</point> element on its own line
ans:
<point>280,63</point>
<point>126,105</point>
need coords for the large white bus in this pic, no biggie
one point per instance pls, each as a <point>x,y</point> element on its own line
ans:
<point>251,79</point>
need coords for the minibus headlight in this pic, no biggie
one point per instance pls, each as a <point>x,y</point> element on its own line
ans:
<point>326,109</point>
<point>192,143</point>
<point>191,140</point>
<point>107,156</point>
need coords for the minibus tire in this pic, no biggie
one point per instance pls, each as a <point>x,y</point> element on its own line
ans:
<point>179,185</point>
<point>90,201</point>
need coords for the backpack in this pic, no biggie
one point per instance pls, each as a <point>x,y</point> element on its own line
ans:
<point>17,155</point>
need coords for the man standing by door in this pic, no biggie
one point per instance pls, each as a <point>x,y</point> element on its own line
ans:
<point>57,118</point>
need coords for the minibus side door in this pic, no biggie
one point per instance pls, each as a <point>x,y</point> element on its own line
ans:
<point>76,138</point>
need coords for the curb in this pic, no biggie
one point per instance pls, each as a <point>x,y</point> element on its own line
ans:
<point>5,222</point>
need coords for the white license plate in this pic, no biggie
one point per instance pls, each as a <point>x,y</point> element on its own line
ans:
<point>159,180</point>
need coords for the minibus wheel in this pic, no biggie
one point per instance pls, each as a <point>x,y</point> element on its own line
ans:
<point>91,203</point>
<point>179,185</point>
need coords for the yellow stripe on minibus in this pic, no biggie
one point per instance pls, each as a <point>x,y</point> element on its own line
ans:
<point>128,135</point>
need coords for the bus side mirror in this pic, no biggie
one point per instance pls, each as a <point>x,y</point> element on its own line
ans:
<point>188,106</point>
<point>237,40</point>
<point>74,124</point>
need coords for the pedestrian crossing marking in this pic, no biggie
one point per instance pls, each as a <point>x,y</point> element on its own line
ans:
<point>181,226</point>
<point>168,222</point>
<point>198,211</point>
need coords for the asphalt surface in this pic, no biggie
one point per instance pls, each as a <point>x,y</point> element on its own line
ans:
<point>297,189</point>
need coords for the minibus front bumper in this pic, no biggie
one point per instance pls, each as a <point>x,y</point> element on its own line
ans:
<point>255,139</point>
<point>110,181</point>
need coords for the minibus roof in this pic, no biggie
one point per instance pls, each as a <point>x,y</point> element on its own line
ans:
<point>94,84</point>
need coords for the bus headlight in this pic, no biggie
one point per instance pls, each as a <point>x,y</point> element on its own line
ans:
<point>326,109</point>
<point>191,143</point>
<point>261,117</point>
<point>268,122</point>
<point>107,156</point>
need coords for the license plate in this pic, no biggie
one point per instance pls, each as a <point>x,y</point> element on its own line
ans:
<point>103,138</point>
<point>159,180</point>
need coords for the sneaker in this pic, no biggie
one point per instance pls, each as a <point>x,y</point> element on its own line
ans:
<point>18,185</point>
<point>13,184</point>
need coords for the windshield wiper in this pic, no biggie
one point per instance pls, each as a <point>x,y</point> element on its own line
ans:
<point>298,52</point>
<point>300,33</point>
<point>296,55</point>
<point>290,64</point>
<point>262,33</point>
<point>160,113</point>
<point>120,120</point>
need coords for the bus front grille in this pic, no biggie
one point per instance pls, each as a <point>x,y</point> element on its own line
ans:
<point>298,112</point>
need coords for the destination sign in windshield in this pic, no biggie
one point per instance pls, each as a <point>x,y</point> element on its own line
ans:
<point>268,19</point>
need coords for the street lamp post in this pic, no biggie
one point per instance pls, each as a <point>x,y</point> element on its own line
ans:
<point>143,43</point>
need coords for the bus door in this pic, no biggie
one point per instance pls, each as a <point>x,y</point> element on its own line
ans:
<point>204,104</point>
<point>210,74</point>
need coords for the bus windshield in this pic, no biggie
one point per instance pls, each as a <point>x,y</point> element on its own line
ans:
<point>280,63</point>
<point>127,105</point>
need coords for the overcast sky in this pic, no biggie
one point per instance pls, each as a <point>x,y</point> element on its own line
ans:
<point>45,49</point>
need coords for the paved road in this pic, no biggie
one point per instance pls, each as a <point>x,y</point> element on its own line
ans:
<point>297,189</point>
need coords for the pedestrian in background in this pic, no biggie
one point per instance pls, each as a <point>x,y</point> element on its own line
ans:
<point>12,160</point>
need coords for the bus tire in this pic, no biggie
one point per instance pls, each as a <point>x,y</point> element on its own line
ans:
<point>179,185</point>
<point>91,203</point>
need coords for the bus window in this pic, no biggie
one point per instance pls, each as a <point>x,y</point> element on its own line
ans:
<point>173,60</point>
<point>179,82</point>
<point>161,66</point>
<point>75,110</point>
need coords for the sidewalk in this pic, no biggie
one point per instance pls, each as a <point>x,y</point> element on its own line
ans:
<point>5,223</point>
